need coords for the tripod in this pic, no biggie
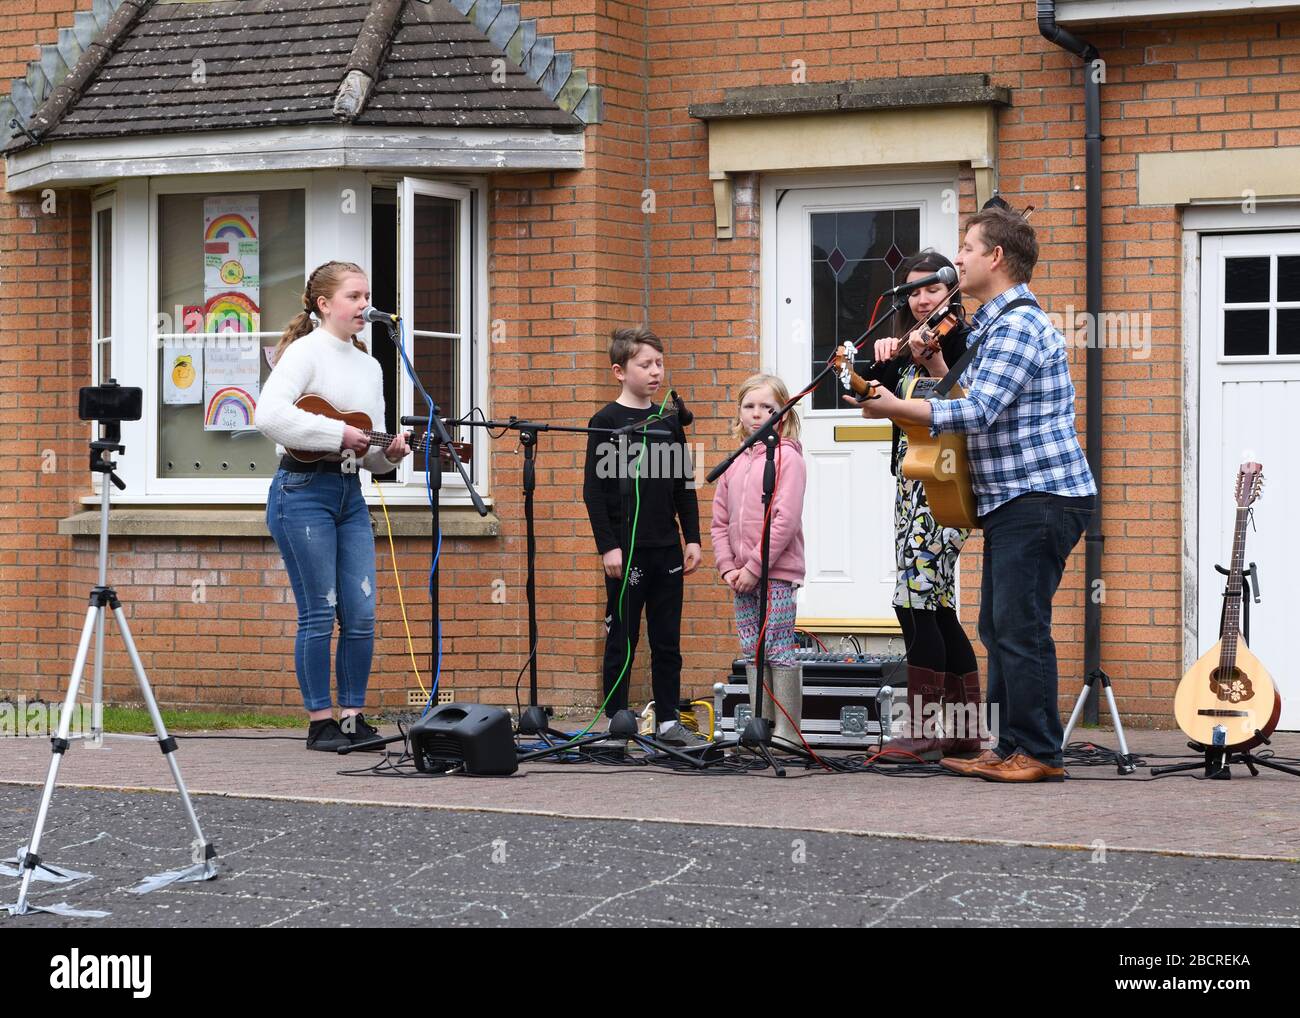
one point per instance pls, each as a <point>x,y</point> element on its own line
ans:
<point>1218,758</point>
<point>1124,761</point>
<point>103,596</point>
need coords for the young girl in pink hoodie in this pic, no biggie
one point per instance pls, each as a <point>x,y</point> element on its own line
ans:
<point>737,531</point>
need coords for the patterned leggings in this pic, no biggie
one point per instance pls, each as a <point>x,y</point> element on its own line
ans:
<point>780,640</point>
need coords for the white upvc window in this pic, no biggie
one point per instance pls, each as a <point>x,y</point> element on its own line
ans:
<point>430,262</point>
<point>101,293</point>
<point>436,262</point>
<point>102,274</point>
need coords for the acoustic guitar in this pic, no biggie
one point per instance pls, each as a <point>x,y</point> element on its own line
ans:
<point>1228,693</point>
<point>320,405</point>
<point>938,462</point>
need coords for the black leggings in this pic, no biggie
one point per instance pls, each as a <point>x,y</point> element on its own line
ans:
<point>936,640</point>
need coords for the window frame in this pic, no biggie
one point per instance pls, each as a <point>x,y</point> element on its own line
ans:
<point>329,229</point>
<point>104,201</point>
<point>453,487</point>
<point>100,204</point>
<point>1271,305</point>
<point>182,489</point>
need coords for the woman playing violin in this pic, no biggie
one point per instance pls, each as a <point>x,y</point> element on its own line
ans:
<point>940,660</point>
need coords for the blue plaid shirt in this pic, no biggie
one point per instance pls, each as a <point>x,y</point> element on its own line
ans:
<point>1018,411</point>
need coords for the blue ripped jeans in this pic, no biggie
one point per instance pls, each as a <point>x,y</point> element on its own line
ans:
<point>322,527</point>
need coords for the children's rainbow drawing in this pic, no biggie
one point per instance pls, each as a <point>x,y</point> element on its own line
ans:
<point>229,409</point>
<point>230,226</point>
<point>232,312</point>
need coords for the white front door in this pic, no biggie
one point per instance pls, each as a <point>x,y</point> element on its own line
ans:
<point>1250,379</point>
<point>833,251</point>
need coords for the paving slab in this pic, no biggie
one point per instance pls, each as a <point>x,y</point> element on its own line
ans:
<point>1247,817</point>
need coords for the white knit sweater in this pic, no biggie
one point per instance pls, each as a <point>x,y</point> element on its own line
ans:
<point>322,364</point>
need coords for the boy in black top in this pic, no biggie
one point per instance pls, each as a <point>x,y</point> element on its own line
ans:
<point>646,480</point>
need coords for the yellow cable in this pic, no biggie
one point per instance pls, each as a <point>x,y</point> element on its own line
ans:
<point>397,579</point>
<point>708,707</point>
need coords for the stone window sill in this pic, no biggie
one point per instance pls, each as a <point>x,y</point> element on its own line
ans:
<point>218,522</point>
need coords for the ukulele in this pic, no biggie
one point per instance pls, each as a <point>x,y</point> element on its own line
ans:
<point>1228,692</point>
<point>938,462</point>
<point>320,405</point>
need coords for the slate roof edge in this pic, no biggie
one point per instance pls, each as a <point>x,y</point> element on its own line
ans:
<point>537,55</point>
<point>69,89</point>
<point>842,96</point>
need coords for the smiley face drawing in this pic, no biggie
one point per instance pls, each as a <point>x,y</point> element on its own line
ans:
<point>183,373</point>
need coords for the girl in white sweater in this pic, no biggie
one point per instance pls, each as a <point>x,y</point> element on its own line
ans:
<point>315,511</point>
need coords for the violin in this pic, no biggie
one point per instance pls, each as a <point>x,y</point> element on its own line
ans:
<point>941,321</point>
<point>937,325</point>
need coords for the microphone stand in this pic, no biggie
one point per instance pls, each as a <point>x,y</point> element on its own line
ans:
<point>433,473</point>
<point>533,721</point>
<point>757,736</point>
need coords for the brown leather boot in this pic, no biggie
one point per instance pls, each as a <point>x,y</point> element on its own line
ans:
<point>921,737</point>
<point>962,706</point>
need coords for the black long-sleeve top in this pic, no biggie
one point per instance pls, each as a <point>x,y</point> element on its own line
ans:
<point>608,489</point>
<point>953,345</point>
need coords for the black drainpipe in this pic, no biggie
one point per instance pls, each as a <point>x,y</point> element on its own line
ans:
<point>1094,541</point>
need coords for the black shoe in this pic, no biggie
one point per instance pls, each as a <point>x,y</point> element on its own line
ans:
<point>357,729</point>
<point>326,736</point>
<point>680,737</point>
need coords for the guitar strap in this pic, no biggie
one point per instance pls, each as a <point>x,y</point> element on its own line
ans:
<point>954,372</point>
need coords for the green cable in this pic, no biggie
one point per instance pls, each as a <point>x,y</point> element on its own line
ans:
<point>627,568</point>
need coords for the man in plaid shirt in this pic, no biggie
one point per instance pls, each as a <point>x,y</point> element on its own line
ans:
<point>1033,489</point>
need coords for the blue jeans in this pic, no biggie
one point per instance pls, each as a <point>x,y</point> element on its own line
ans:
<point>322,527</point>
<point>1026,544</point>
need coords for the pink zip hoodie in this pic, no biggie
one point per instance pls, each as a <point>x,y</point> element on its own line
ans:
<point>737,526</point>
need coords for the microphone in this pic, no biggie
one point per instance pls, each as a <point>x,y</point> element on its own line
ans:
<point>374,315</point>
<point>946,275</point>
<point>684,416</point>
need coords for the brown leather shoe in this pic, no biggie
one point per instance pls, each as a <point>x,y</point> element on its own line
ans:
<point>1020,768</point>
<point>962,766</point>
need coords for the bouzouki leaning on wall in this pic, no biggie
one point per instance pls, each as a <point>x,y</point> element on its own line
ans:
<point>314,404</point>
<point>1228,688</point>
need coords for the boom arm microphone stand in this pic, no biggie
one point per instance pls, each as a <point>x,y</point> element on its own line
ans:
<point>757,736</point>
<point>533,720</point>
<point>623,727</point>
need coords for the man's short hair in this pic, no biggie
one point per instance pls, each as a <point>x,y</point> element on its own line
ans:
<point>623,343</point>
<point>1009,231</point>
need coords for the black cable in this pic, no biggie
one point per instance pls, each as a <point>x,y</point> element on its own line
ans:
<point>233,738</point>
<point>519,707</point>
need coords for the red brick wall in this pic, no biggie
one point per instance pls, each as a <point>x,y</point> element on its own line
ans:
<point>1197,84</point>
<point>573,255</point>
<point>45,304</point>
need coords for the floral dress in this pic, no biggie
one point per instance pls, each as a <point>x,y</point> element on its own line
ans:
<point>925,550</point>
